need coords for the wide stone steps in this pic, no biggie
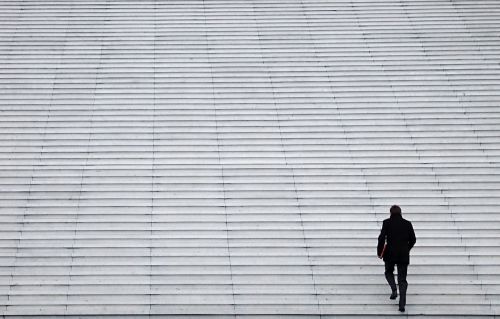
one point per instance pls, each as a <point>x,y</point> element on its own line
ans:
<point>235,159</point>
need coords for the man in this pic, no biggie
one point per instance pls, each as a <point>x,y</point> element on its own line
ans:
<point>395,241</point>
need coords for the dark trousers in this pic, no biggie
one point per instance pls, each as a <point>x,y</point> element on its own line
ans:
<point>402,283</point>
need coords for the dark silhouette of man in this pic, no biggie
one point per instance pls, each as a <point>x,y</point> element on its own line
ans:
<point>395,241</point>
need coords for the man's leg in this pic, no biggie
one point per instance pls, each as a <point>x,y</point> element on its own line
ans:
<point>403,285</point>
<point>389,276</point>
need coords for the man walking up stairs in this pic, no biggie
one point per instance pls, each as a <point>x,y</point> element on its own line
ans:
<point>395,241</point>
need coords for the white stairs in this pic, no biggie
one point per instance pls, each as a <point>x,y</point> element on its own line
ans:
<point>235,158</point>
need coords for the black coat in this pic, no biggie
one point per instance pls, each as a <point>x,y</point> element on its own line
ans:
<point>400,238</point>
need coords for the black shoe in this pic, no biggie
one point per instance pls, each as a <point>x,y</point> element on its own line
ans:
<point>394,294</point>
<point>402,309</point>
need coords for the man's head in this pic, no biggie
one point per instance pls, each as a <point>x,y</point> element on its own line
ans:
<point>395,210</point>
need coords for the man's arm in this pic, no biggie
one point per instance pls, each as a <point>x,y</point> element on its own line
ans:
<point>413,239</point>
<point>381,239</point>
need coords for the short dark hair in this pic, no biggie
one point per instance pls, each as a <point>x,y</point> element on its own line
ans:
<point>395,209</point>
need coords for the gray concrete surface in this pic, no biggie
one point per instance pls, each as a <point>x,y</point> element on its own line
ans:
<point>235,158</point>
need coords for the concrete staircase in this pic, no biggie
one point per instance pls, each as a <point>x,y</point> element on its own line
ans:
<point>235,158</point>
